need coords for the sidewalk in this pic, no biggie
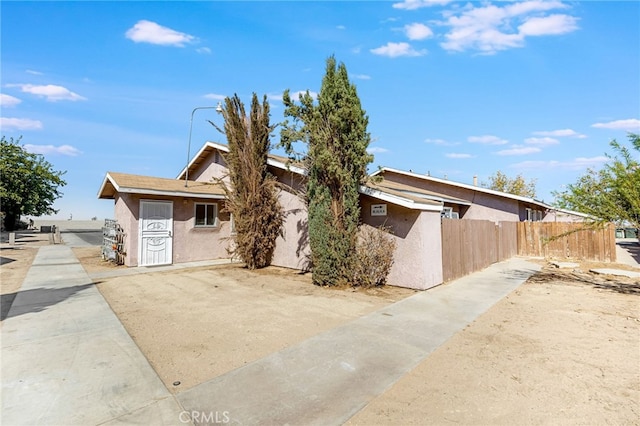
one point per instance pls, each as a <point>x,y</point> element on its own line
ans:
<point>66,359</point>
<point>327,379</point>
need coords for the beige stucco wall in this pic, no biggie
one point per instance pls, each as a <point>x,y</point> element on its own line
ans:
<point>554,216</point>
<point>483,206</point>
<point>190,244</point>
<point>418,256</point>
<point>213,167</point>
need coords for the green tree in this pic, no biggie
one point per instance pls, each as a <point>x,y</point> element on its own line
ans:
<point>252,197</point>
<point>28,183</point>
<point>516,186</point>
<point>334,131</point>
<point>611,194</point>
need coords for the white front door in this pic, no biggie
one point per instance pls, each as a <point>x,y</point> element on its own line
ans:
<point>156,230</point>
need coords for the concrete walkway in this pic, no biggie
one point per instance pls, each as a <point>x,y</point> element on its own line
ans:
<point>327,379</point>
<point>66,359</point>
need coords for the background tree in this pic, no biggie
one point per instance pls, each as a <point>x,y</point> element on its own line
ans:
<point>28,183</point>
<point>335,133</point>
<point>252,197</point>
<point>611,194</point>
<point>516,186</point>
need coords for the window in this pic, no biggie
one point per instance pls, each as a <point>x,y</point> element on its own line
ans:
<point>206,215</point>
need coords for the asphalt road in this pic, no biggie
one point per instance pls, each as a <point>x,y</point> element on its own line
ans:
<point>89,236</point>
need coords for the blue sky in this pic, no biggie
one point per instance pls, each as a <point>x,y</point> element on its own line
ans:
<point>451,88</point>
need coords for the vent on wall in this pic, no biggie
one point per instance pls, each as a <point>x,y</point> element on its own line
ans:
<point>448,213</point>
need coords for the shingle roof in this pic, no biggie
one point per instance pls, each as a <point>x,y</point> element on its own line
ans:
<point>148,185</point>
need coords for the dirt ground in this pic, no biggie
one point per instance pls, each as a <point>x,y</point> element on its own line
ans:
<point>198,324</point>
<point>564,348</point>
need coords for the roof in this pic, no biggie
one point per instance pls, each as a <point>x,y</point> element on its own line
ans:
<point>402,195</point>
<point>272,160</point>
<point>414,193</point>
<point>147,185</point>
<point>465,186</point>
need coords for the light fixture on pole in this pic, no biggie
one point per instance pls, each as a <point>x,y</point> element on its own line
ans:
<point>218,109</point>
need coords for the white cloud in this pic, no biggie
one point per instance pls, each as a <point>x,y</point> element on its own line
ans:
<point>548,25</point>
<point>295,96</point>
<point>561,133</point>
<point>457,155</point>
<point>50,149</point>
<point>204,50</point>
<point>19,124</point>
<point>341,27</point>
<point>519,150</point>
<point>50,92</point>
<point>417,31</point>
<point>149,32</point>
<point>417,4</point>
<point>490,28</point>
<point>579,163</point>
<point>361,76</point>
<point>32,72</point>
<point>545,141</point>
<point>487,140</point>
<point>630,125</point>
<point>215,96</point>
<point>441,142</point>
<point>8,101</point>
<point>376,150</point>
<point>394,50</point>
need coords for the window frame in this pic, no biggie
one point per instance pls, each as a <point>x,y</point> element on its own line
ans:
<point>216,219</point>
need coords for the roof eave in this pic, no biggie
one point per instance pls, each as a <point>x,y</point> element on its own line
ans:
<point>463,185</point>
<point>394,199</point>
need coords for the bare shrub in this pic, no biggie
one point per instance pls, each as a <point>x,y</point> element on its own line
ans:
<point>374,256</point>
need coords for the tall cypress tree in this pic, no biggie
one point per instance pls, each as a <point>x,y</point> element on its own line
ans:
<point>335,132</point>
<point>252,197</point>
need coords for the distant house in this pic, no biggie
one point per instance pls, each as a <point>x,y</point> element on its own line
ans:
<point>464,201</point>
<point>169,221</point>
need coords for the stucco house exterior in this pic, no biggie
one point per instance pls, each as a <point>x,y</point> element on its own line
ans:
<point>177,220</point>
<point>473,202</point>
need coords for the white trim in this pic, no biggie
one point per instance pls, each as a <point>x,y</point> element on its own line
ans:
<point>435,197</point>
<point>170,236</point>
<point>216,218</point>
<point>400,201</point>
<point>225,148</point>
<point>283,166</point>
<point>170,193</point>
<point>142,191</point>
<point>463,185</point>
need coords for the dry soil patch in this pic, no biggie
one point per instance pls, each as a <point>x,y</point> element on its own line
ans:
<point>564,348</point>
<point>194,325</point>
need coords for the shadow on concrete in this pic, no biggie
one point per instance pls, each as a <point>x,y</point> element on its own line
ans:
<point>632,247</point>
<point>42,298</point>
<point>5,260</point>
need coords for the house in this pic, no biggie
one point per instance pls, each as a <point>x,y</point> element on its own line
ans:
<point>183,220</point>
<point>473,202</point>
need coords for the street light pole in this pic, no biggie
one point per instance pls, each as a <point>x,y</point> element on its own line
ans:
<point>218,108</point>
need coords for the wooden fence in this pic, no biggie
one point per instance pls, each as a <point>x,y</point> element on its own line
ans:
<point>562,240</point>
<point>471,245</point>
